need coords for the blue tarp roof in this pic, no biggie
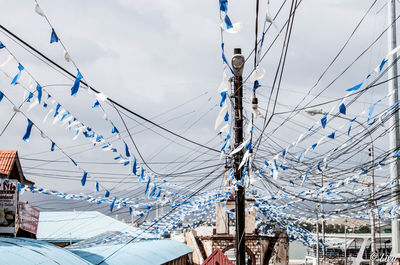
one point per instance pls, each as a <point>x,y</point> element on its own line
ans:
<point>149,252</point>
<point>29,251</point>
<point>80,225</point>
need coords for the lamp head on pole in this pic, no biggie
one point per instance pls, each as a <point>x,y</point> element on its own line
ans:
<point>238,61</point>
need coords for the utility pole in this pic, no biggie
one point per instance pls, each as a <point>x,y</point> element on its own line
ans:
<point>394,135</point>
<point>317,231</point>
<point>238,61</point>
<point>345,241</point>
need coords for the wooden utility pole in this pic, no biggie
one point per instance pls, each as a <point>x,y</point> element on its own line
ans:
<point>238,61</point>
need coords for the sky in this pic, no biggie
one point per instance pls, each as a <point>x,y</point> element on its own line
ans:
<point>163,60</point>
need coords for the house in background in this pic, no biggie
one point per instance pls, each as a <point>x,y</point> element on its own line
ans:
<point>16,218</point>
<point>217,258</point>
<point>10,167</point>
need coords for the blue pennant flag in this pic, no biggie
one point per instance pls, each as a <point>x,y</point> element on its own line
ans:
<point>284,152</point>
<point>153,191</point>
<point>226,118</point>
<point>75,87</point>
<point>1,96</point>
<point>97,186</point>
<point>52,146</point>
<point>39,90</point>
<point>112,204</point>
<point>248,146</point>
<point>2,45</point>
<point>57,110</point>
<point>397,154</point>
<point>127,151</point>
<point>356,87</point>
<point>141,176</point>
<point>266,163</point>
<point>134,167</point>
<point>73,162</point>
<point>30,96</point>
<point>384,61</point>
<point>16,77</point>
<point>147,187</point>
<point>323,120</point>
<point>114,130</point>
<point>342,109</point>
<point>83,180</point>
<point>223,5</point>
<point>299,157</point>
<point>96,104</point>
<point>65,115</point>
<point>224,58</point>
<point>54,37</point>
<point>313,146</point>
<point>107,194</point>
<point>228,22</point>
<point>159,193</point>
<point>371,110</point>
<point>223,98</point>
<point>130,211</point>
<point>256,85</point>
<point>226,142</point>
<point>351,123</point>
<point>28,131</point>
<point>332,135</point>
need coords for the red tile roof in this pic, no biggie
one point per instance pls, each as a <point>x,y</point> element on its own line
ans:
<point>217,257</point>
<point>7,158</point>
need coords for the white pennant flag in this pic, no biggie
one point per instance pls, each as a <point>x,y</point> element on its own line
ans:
<point>101,97</point>
<point>6,61</point>
<point>257,74</point>
<point>38,10</point>
<point>240,147</point>
<point>225,129</point>
<point>221,116</point>
<point>67,57</point>
<point>245,159</point>
<point>33,104</point>
<point>47,115</point>
<point>68,119</point>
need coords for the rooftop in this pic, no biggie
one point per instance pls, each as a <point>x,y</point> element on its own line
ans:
<point>30,251</point>
<point>10,167</point>
<point>76,226</point>
<point>147,252</point>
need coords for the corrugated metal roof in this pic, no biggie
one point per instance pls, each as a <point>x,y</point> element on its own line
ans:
<point>30,251</point>
<point>80,225</point>
<point>149,252</point>
<point>6,161</point>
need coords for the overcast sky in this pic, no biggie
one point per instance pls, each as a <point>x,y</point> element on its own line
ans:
<point>164,58</point>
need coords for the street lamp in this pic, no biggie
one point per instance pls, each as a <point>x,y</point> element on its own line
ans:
<point>314,112</point>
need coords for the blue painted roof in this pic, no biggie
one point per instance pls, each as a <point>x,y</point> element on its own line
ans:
<point>29,251</point>
<point>149,252</point>
<point>80,225</point>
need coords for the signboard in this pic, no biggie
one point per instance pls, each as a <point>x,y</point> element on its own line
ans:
<point>8,205</point>
<point>29,218</point>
